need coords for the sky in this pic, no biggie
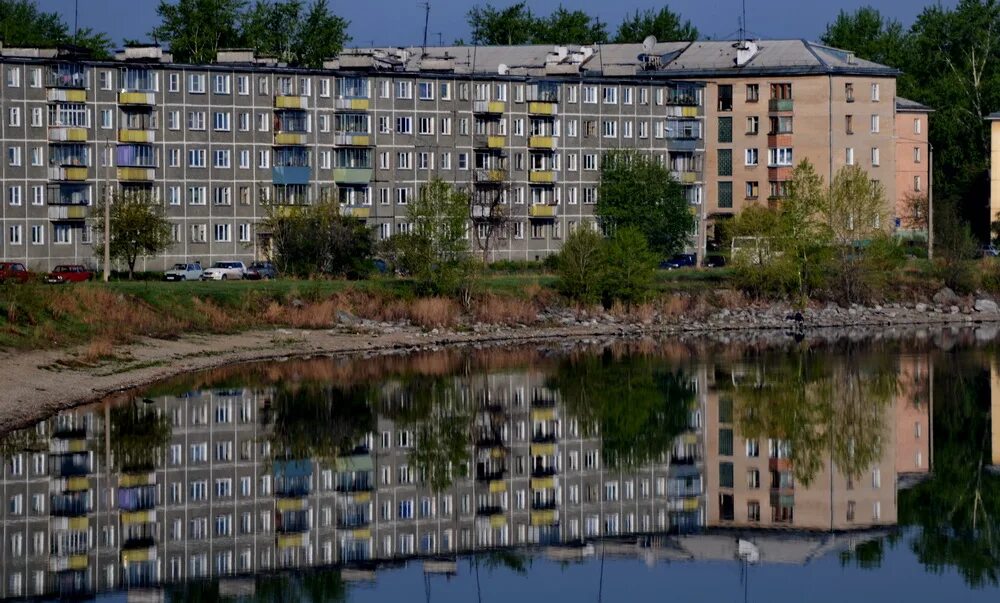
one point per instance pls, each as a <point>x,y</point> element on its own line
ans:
<point>400,22</point>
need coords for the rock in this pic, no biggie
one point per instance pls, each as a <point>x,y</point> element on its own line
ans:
<point>945,297</point>
<point>921,307</point>
<point>297,303</point>
<point>346,318</point>
<point>954,310</point>
<point>986,305</point>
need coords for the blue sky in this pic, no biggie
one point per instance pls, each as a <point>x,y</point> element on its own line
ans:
<point>400,22</point>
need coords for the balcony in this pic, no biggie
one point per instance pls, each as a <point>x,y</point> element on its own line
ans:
<point>351,104</point>
<point>291,102</point>
<point>61,95</point>
<point>67,134</point>
<point>688,145</point>
<point>541,471</point>
<point>780,105</point>
<point>489,142</point>
<point>542,177</point>
<point>547,143</point>
<point>489,107</point>
<point>352,175</point>
<point>355,211</point>
<point>779,172</point>
<point>136,174</point>
<point>542,437</point>
<point>137,98</point>
<point>543,212</point>
<point>66,76</point>
<point>685,176</point>
<point>68,212</point>
<point>540,108</point>
<point>775,140</point>
<point>489,510</point>
<point>68,174</point>
<point>137,136</point>
<point>347,139</point>
<point>543,504</point>
<point>284,139</point>
<point>544,518</point>
<point>291,174</point>
<point>679,111</point>
<point>490,474</point>
<point>489,176</point>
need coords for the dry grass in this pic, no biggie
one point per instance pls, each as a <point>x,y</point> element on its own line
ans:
<point>434,312</point>
<point>102,348</point>
<point>504,310</point>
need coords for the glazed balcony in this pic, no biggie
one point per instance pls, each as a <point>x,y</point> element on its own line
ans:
<point>291,174</point>
<point>136,174</point>
<point>780,105</point>
<point>489,176</point>
<point>68,174</point>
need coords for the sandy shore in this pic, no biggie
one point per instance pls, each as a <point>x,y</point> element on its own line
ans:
<point>40,383</point>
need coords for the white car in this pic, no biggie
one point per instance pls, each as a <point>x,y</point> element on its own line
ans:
<point>184,272</point>
<point>222,271</point>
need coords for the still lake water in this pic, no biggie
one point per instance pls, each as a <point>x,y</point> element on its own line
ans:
<point>844,470</point>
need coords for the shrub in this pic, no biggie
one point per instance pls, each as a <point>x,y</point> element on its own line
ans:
<point>581,266</point>
<point>631,267</point>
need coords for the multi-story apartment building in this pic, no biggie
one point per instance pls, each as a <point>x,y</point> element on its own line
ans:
<point>913,168</point>
<point>221,145</point>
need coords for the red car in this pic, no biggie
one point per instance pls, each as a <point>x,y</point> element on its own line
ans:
<point>14,271</point>
<point>69,273</point>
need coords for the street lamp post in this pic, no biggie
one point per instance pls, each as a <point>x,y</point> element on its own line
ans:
<point>107,211</point>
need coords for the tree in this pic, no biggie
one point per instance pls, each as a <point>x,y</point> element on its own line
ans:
<point>665,25</point>
<point>636,191</point>
<point>296,34</point>
<point>569,27</point>
<point>436,251</point>
<point>22,24</point>
<point>511,26</point>
<point>581,265</point>
<point>316,239</point>
<point>195,30</point>
<point>954,247</point>
<point>631,280</point>
<point>868,34</point>
<point>491,217</point>
<point>138,228</point>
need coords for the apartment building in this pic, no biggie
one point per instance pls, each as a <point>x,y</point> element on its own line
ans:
<point>224,145</point>
<point>913,168</point>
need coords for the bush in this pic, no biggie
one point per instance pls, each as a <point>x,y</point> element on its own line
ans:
<point>634,266</point>
<point>317,239</point>
<point>581,266</point>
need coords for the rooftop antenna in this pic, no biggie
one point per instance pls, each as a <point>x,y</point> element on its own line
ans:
<point>427,17</point>
<point>440,38</point>
<point>76,20</point>
<point>743,23</point>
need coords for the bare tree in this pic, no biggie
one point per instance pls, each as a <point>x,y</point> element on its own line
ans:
<point>490,209</point>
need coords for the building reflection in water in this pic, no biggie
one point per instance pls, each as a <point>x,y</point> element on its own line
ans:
<point>544,454</point>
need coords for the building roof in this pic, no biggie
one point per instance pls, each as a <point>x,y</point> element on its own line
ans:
<point>905,105</point>
<point>995,116</point>
<point>714,58</point>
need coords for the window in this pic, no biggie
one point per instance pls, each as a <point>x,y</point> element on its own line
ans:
<point>404,125</point>
<point>726,442</point>
<point>107,119</point>
<point>781,91</point>
<point>725,195</point>
<point>220,158</point>
<point>849,124</point>
<point>445,90</point>
<point>38,195</point>
<point>196,195</point>
<point>725,162</point>
<point>37,235</point>
<point>590,94</point>
<point>849,92</point>
<point>725,475</point>
<point>753,126</point>
<point>221,84</point>
<point>16,235</point>
<point>779,157</point>
<point>753,189</point>
<point>917,184</point>
<point>196,158</point>
<point>425,91</point>
<point>425,125</point>
<point>196,83</point>
<point>62,234</point>
<point>917,125</point>
<point>196,120</point>
<point>14,156</point>
<point>14,117</point>
<point>753,511</point>
<point>220,121</point>
<point>875,124</point>
<point>36,117</point>
<point>610,95</point>
<point>243,85</point>
<point>875,93</point>
<point>753,479</point>
<point>14,195</point>
<point>174,120</point>
<point>174,82</point>
<point>404,90</point>
<point>849,156</point>
<point>916,155</point>
<point>752,157</point>
<point>404,161</point>
<point>14,77</point>
<point>725,98</point>
<point>753,93</point>
<point>875,157</point>
<point>222,195</point>
<point>609,128</point>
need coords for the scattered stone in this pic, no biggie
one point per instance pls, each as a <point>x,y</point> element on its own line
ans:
<point>945,297</point>
<point>921,307</point>
<point>298,303</point>
<point>986,305</point>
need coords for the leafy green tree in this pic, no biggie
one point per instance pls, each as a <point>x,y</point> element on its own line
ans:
<point>317,239</point>
<point>954,247</point>
<point>138,228</point>
<point>23,24</point>
<point>317,420</point>
<point>510,26</point>
<point>195,30</point>
<point>298,34</point>
<point>636,191</point>
<point>138,435</point>
<point>582,265</point>
<point>868,34</point>
<point>634,266</point>
<point>569,27</point>
<point>436,251</point>
<point>664,24</point>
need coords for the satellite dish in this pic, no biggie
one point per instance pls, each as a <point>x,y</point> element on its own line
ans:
<point>502,69</point>
<point>649,43</point>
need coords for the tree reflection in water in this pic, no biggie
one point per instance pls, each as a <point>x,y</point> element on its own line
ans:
<point>138,435</point>
<point>317,420</point>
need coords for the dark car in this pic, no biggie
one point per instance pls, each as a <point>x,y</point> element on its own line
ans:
<point>681,260</point>
<point>988,251</point>
<point>69,273</point>
<point>261,270</point>
<point>14,272</point>
<point>715,261</point>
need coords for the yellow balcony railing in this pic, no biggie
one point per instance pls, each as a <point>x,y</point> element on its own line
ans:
<point>543,449</point>
<point>543,414</point>
<point>289,138</point>
<point>136,136</point>
<point>498,521</point>
<point>68,174</point>
<point>291,102</point>
<point>685,176</point>
<point>542,211</point>
<point>292,504</point>
<point>71,212</point>
<point>542,177</point>
<point>138,516</point>
<point>495,142</point>
<point>498,486</point>
<point>351,104</point>
<point>537,108</point>
<point>140,479</point>
<point>136,174</point>
<point>68,134</point>
<point>362,213</point>
<point>136,98</point>
<point>543,483</point>
<point>292,540</point>
<point>66,95</point>
<point>544,518</point>
<point>542,142</point>
<point>491,107</point>
<point>349,140</point>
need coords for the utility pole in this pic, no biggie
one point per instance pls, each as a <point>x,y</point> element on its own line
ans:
<point>107,210</point>
<point>930,201</point>
<point>427,17</point>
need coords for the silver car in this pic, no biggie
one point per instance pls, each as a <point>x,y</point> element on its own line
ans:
<point>223,271</point>
<point>184,272</point>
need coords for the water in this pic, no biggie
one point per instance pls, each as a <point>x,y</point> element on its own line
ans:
<point>841,470</point>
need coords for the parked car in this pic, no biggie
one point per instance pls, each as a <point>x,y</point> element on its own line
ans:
<point>680,260</point>
<point>184,272</point>
<point>14,272</point>
<point>69,273</point>
<point>988,251</point>
<point>222,271</point>
<point>715,261</point>
<point>261,270</point>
